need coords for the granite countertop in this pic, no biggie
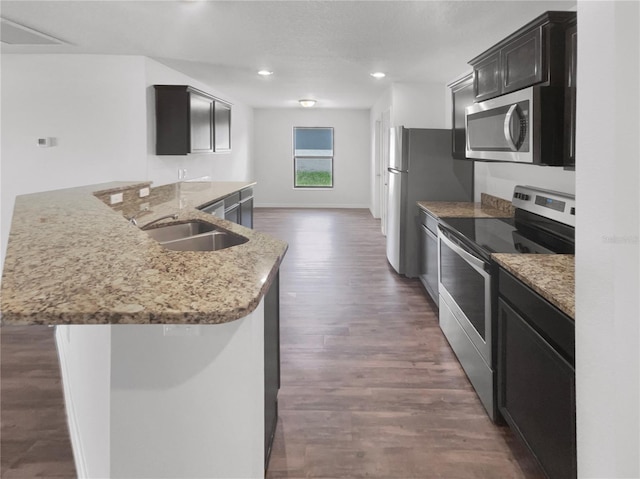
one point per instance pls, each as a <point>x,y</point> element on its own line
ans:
<point>452,209</point>
<point>72,259</point>
<point>550,275</point>
<point>489,207</point>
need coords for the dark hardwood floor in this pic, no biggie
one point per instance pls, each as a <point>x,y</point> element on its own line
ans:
<point>370,387</point>
<point>34,439</point>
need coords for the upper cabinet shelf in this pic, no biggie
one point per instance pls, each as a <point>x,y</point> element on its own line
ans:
<point>190,121</point>
<point>533,55</point>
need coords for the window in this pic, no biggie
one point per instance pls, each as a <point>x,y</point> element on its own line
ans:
<point>313,157</point>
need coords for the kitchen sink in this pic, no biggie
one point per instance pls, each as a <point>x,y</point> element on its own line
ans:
<point>177,231</point>
<point>213,241</point>
<point>194,235</point>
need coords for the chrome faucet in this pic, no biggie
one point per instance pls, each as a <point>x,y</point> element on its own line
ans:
<point>134,219</point>
<point>173,216</point>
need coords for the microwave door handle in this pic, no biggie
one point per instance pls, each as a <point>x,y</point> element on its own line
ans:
<point>507,127</point>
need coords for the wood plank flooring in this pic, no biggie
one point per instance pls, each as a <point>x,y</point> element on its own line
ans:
<point>370,387</point>
<point>34,439</point>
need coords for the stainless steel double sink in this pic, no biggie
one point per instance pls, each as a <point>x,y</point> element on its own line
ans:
<point>193,235</point>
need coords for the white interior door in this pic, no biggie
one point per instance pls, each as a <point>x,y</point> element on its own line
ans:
<point>377,173</point>
<point>385,128</point>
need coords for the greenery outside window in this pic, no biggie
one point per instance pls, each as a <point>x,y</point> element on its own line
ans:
<point>312,157</point>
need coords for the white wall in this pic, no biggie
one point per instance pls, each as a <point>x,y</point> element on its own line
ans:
<point>607,240</point>
<point>418,105</point>
<point>498,179</point>
<point>273,164</point>
<point>100,110</point>
<point>93,108</point>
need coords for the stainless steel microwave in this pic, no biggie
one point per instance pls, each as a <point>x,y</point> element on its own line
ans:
<point>525,126</point>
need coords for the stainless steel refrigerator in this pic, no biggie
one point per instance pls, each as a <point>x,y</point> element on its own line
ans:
<point>420,169</point>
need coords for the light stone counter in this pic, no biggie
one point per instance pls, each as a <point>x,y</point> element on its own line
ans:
<point>72,259</point>
<point>489,207</point>
<point>550,275</point>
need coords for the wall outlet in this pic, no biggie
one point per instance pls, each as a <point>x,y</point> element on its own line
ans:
<point>144,192</point>
<point>115,198</point>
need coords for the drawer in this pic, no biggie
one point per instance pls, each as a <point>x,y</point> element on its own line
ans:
<point>246,194</point>
<point>429,221</point>
<point>552,324</point>
<point>231,200</point>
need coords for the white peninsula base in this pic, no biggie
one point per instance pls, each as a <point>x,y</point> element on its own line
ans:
<point>166,401</point>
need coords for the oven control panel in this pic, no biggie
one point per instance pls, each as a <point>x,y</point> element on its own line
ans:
<point>550,204</point>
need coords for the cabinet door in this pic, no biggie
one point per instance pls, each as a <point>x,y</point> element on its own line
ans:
<point>429,262</point>
<point>570,98</point>
<point>536,394</point>
<point>486,77</point>
<point>246,213</point>
<point>521,62</point>
<point>172,120</point>
<point>462,95</point>
<point>201,118</point>
<point>222,128</point>
<point>233,214</point>
<point>271,364</point>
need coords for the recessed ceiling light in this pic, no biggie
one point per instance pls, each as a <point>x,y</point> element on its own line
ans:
<point>265,73</point>
<point>307,103</point>
<point>378,75</point>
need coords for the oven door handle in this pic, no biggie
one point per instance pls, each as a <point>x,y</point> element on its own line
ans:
<point>429,233</point>
<point>477,263</point>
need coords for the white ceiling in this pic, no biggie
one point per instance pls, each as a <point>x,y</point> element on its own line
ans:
<point>317,49</point>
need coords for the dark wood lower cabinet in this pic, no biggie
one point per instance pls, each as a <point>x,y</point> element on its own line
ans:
<point>536,382</point>
<point>428,231</point>
<point>271,364</point>
<point>246,213</point>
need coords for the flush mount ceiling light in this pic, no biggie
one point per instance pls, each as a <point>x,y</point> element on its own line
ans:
<point>378,75</point>
<point>307,103</point>
<point>265,73</point>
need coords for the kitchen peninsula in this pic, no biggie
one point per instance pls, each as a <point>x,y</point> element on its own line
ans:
<point>162,352</point>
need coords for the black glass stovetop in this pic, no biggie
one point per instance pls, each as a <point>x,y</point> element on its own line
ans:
<point>504,235</point>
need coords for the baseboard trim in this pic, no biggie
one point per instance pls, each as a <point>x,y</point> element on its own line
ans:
<point>76,443</point>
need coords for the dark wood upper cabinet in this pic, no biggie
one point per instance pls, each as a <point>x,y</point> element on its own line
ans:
<point>486,75</point>
<point>533,55</point>
<point>522,61</point>
<point>201,115</point>
<point>222,126</point>
<point>190,121</point>
<point>462,95</point>
<point>570,96</point>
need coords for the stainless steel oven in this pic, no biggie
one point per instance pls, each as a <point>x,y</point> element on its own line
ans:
<point>467,276</point>
<point>465,289</point>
